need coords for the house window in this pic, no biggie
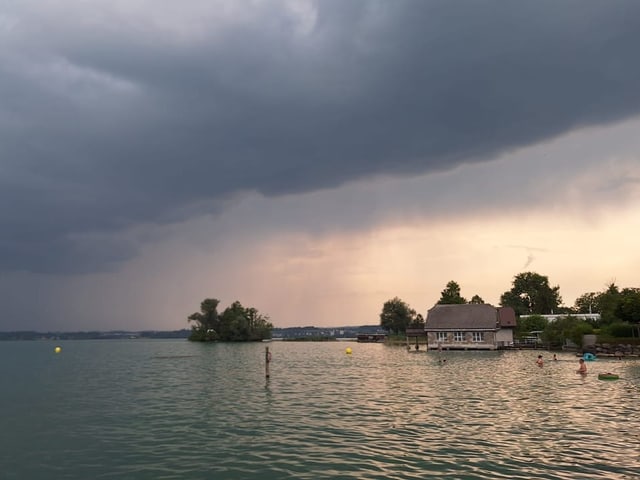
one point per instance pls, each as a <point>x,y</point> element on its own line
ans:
<point>441,336</point>
<point>458,336</point>
<point>477,337</point>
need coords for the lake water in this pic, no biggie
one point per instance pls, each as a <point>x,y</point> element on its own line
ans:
<point>171,409</point>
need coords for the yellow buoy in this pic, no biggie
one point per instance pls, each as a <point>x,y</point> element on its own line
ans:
<point>348,351</point>
<point>57,349</point>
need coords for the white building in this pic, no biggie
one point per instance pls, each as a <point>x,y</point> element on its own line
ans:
<point>594,317</point>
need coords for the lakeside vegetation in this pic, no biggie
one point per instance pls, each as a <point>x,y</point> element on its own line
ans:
<point>235,324</point>
<point>532,296</point>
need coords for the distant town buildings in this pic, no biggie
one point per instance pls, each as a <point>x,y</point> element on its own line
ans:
<point>292,333</point>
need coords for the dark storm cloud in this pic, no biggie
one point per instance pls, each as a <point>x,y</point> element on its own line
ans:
<point>108,124</point>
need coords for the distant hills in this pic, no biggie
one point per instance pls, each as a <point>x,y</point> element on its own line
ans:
<point>92,335</point>
<point>289,333</point>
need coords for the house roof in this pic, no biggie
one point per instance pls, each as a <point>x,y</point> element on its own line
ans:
<point>470,316</point>
<point>506,317</point>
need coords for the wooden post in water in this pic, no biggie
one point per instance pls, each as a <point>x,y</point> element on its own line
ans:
<point>267,360</point>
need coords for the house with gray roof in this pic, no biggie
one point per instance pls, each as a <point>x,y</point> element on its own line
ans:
<point>470,326</point>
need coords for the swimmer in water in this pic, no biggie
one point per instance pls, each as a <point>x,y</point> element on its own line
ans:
<point>582,370</point>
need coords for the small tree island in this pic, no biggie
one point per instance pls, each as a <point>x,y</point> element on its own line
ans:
<point>235,324</point>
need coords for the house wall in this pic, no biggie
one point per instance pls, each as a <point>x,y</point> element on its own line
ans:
<point>488,342</point>
<point>504,337</point>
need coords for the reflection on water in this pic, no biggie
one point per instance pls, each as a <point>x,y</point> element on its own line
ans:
<point>172,410</point>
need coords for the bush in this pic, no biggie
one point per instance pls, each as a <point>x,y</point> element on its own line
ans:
<point>619,329</point>
<point>565,328</point>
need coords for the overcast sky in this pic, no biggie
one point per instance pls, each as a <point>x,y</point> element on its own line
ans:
<point>311,159</point>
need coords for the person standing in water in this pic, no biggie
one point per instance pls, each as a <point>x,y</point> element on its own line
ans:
<point>539,361</point>
<point>582,370</point>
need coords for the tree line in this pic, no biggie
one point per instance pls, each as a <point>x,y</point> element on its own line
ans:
<point>532,294</point>
<point>235,324</point>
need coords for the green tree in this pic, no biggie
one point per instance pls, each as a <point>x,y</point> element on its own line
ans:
<point>529,324</point>
<point>607,302</point>
<point>532,294</point>
<point>476,299</point>
<point>206,321</point>
<point>235,324</point>
<point>451,295</point>
<point>615,306</point>
<point>417,322</point>
<point>628,305</point>
<point>587,303</point>
<point>396,316</point>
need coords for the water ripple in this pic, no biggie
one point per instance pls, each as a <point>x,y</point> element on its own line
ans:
<point>176,410</point>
